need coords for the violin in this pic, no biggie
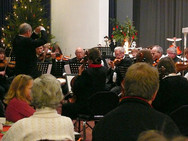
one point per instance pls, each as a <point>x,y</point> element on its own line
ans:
<point>5,64</point>
<point>181,66</point>
<point>155,63</point>
<point>115,62</point>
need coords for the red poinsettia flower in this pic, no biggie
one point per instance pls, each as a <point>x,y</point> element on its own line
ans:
<point>117,26</point>
<point>112,36</point>
<point>136,33</point>
<point>133,37</point>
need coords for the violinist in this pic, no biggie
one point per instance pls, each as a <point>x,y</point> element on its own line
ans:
<point>44,54</point>
<point>88,82</point>
<point>157,54</point>
<point>114,77</point>
<point>173,88</point>
<point>79,52</point>
<point>4,83</point>
<point>172,53</point>
<point>144,55</point>
<point>57,51</point>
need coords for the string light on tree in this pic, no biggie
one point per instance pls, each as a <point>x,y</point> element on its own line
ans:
<point>30,11</point>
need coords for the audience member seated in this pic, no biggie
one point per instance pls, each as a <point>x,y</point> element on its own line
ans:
<point>80,53</point>
<point>144,55</point>
<point>151,135</point>
<point>157,53</point>
<point>45,123</point>
<point>114,77</point>
<point>173,88</point>
<point>172,53</point>
<point>18,98</point>
<point>180,138</point>
<point>135,113</point>
<point>154,135</point>
<point>87,83</point>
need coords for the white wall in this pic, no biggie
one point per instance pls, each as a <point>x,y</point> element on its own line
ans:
<point>77,23</point>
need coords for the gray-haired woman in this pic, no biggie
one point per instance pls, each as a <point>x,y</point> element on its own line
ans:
<point>45,123</point>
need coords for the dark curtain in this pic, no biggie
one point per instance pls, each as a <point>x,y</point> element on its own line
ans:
<point>112,14</point>
<point>157,20</point>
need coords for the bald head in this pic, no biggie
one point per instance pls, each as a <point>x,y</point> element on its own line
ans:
<point>79,52</point>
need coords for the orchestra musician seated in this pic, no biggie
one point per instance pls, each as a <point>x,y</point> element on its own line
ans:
<point>44,54</point>
<point>85,84</point>
<point>57,51</point>
<point>172,53</point>
<point>144,55</point>
<point>80,53</point>
<point>4,81</point>
<point>173,87</point>
<point>114,77</point>
<point>157,53</point>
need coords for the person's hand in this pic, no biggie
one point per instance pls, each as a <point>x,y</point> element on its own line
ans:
<point>2,73</point>
<point>41,28</point>
<point>37,30</point>
<point>53,55</point>
<point>111,63</point>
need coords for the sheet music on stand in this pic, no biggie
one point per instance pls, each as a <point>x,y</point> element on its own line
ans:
<point>59,68</point>
<point>106,52</point>
<point>74,67</point>
<point>44,67</point>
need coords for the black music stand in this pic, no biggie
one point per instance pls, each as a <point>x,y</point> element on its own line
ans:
<point>74,67</point>
<point>59,69</point>
<point>44,67</point>
<point>106,52</point>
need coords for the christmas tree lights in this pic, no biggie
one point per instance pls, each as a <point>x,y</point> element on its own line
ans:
<point>29,11</point>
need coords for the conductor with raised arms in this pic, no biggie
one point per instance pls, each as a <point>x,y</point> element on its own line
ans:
<point>24,46</point>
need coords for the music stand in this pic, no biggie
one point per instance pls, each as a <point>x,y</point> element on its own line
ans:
<point>106,52</point>
<point>74,67</point>
<point>59,68</point>
<point>44,67</point>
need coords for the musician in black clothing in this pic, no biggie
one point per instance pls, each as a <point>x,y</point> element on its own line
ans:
<point>24,46</point>
<point>87,83</point>
<point>114,76</point>
<point>79,52</point>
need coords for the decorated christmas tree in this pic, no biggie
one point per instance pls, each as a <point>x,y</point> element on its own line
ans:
<point>29,11</point>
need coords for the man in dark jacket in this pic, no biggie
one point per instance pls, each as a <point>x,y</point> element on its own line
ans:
<point>135,113</point>
<point>24,46</point>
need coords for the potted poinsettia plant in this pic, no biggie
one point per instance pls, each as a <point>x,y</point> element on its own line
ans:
<point>124,32</point>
